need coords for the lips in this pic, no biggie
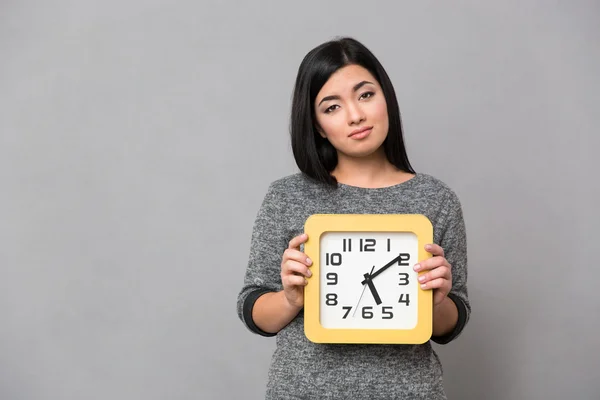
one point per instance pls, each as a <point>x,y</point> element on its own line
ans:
<point>361,132</point>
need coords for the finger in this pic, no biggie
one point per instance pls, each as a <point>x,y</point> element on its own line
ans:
<point>294,267</point>
<point>440,272</point>
<point>296,255</point>
<point>442,284</point>
<point>438,297</point>
<point>297,241</point>
<point>435,249</point>
<point>431,263</point>
<point>294,280</point>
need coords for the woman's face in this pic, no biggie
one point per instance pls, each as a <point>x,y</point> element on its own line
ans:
<point>351,112</point>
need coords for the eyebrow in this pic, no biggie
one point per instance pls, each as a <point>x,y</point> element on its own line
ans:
<point>355,88</point>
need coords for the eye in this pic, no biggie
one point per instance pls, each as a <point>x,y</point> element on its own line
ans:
<point>330,109</point>
<point>367,95</point>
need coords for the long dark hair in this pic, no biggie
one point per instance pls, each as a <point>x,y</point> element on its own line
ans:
<point>314,155</point>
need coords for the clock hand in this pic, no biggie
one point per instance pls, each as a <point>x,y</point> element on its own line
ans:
<point>372,288</point>
<point>380,270</point>
<point>361,295</point>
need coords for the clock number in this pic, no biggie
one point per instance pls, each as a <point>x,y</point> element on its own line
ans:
<point>388,244</point>
<point>403,299</point>
<point>347,308</point>
<point>404,257</point>
<point>387,312</point>
<point>367,313</point>
<point>331,299</point>
<point>333,259</point>
<point>332,276</point>
<point>347,245</point>
<point>367,244</point>
<point>403,279</point>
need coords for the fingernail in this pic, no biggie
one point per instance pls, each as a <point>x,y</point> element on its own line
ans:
<point>308,261</point>
<point>428,247</point>
<point>416,267</point>
<point>309,273</point>
<point>424,286</point>
<point>421,278</point>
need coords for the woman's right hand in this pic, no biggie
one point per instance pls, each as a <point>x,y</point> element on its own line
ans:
<point>294,268</point>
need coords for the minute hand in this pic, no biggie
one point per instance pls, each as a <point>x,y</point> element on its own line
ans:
<point>380,270</point>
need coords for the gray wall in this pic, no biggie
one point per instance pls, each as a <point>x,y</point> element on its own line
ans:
<point>139,137</point>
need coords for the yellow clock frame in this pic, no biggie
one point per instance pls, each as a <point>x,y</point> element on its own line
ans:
<point>318,224</point>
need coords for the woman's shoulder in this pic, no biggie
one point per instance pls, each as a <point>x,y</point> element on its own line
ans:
<point>434,185</point>
<point>296,183</point>
<point>292,191</point>
<point>433,181</point>
<point>289,180</point>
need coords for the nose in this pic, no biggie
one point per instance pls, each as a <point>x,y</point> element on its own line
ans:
<point>355,114</point>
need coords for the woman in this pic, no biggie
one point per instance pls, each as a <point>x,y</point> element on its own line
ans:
<point>348,143</point>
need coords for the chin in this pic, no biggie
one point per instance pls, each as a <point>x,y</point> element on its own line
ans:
<point>367,150</point>
<point>364,153</point>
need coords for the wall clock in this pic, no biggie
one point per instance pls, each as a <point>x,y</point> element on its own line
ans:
<point>363,288</point>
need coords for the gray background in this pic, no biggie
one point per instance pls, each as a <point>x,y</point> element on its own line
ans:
<point>139,137</point>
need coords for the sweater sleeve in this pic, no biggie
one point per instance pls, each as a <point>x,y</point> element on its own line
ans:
<point>267,244</point>
<point>453,240</point>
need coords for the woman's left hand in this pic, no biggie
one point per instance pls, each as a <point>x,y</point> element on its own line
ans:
<point>439,273</point>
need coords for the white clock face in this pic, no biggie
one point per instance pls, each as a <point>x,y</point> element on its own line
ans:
<point>367,280</point>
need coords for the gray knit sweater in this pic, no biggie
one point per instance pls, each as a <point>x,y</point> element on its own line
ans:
<point>301,369</point>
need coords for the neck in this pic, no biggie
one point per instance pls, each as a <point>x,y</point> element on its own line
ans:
<point>369,172</point>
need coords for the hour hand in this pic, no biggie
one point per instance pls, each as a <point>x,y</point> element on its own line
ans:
<point>369,283</point>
